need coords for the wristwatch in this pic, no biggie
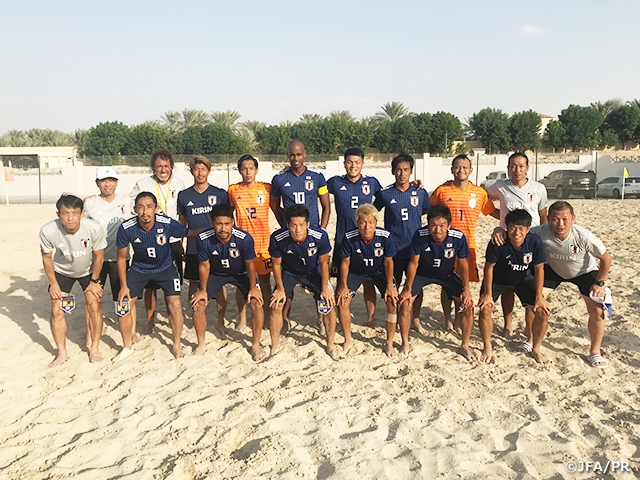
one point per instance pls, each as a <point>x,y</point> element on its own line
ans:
<point>599,283</point>
<point>97,280</point>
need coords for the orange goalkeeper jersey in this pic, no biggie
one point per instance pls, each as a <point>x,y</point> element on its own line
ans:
<point>252,212</point>
<point>465,205</point>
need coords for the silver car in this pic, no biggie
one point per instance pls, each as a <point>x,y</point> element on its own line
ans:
<point>611,187</point>
<point>491,179</point>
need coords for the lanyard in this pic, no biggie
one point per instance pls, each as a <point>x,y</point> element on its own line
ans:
<point>163,199</point>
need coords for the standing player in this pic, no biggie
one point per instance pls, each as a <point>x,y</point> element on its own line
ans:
<point>404,204</point>
<point>148,233</point>
<point>251,200</point>
<point>226,256</point>
<point>571,257</point>
<point>508,267</point>
<point>72,250</point>
<point>349,192</point>
<point>165,187</point>
<point>300,255</point>
<point>434,254</point>
<point>466,202</point>
<point>518,192</point>
<point>300,186</point>
<point>367,257</point>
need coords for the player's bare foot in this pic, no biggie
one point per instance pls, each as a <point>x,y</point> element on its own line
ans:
<point>242,325</point>
<point>539,357</point>
<point>200,349</point>
<point>405,351</point>
<point>177,351</point>
<point>372,323</point>
<point>333,353</point>
<point>389,350</point>
<point>151,328</point>
<point>59,360</point>
<point>95,357</point>
<point>507,333</point>
<point>124,353</point>
<point>275,349</point>
<point>457,326</point>
<point>221,326</point>
<point>487,356</point>
<point>346,346</point>
<point>256,353</point>
<point>467,354</point>
<point>417,326</point>
<point>135,338</point>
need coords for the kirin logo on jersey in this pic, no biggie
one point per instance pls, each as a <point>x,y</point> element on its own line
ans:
<point>161,239</point>
<point>366,189</point>
<point>378,252</point>
<point>312,251</point>
<point>84,243</point>
<point>448,253</point>
<point>472,201</point>
<point>573,249</point>
<point>308,185</point>
<point>415,201</point>
<point>213,199</point>
<point>260,199</point>
<point>527,257</point>
<point>234,252</point>
<point>123,211</point>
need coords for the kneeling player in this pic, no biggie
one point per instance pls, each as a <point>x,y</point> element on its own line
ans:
<point>148,233</point>
<point>434,251</point>
<point>507,268</point>
<point>367,257</point>
<point>301,256</point>
<point>226,256</point>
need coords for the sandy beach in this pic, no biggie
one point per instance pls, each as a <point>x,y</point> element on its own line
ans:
<point>301,415</point>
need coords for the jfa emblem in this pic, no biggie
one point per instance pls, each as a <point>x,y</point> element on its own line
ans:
<point>531,197</point>
<point>448,253</point>
<point>68,303</point>
<point>173,194</point>
<point>573,249</point>
<point>234,252</point>
<point>213,199</point>
<point>312,251</point>
<point>84,243</point>
<point>161,239</point>
<point>472,201</point>
<point>308,185</point>
<point>122,209</point>
<point>260,199</point>
<point>414,201</point>
<point>378,252</point>
<point>527,257</point>
<point>366,189</point>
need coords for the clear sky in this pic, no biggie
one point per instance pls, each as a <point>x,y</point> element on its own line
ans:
<point>72,64</point>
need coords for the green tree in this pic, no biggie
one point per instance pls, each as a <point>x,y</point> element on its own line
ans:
<point>15,138</point>
<point>392,111</point>
<point>79,138</point>
<point>310,118</point>
<point>227,118</point>
<point>554,135</point>
<point>445,129</point>
<point>491,127</point>
<point>423,124</point>
<point>341,115</point>
<point>213,138</point>
<point>107,138</point>
<point>581,125</point>
<point>607,139</point>
<point>172,121</point>
<point>606,107</point>
<point>274,139</point>
<point>145,138</point>
<point>624,122</point>
<point>524,130</point>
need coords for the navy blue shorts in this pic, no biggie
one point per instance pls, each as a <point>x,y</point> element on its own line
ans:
<point>526,291</point>
<point>312,282</point>
<point>110,269</point>
<point>216,282</point>
<point>354,281</point>
<point>191,267</point>
<point>452,284</point>
<point>168,280</point>
<point>399,269</point>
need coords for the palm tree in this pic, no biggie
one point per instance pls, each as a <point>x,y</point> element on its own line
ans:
<point>393,111</point>
<point>172,121</point>
<point>79,138</point>
<point>341,116</point>
<point>16,138</point>
<point>605,108</point>
<point>372,123</point>
<point>634,103</point>
<point>310,118</point>
<point>228,118</point>
<point>194,118</point>
<point>253,125</point>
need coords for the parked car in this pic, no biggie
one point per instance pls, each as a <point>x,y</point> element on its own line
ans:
<point>491,179</point>
<point>611,187</point>
<point>564,183</point>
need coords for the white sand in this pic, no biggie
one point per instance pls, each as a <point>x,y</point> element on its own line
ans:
<point>301,415</point>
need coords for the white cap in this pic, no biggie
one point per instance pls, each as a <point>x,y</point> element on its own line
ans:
<point>106,172</point>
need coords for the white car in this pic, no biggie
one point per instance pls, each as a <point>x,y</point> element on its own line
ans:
<point>491,179</point>
<point>611,187</point>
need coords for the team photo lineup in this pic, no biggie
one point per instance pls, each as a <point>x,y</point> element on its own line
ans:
<point>163,236</point>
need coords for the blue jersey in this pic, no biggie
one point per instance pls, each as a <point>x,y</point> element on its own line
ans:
<point>511,265</point>
<point>151,250</point>
<point>367,258</point>
<point>403,213</point>
<point>302,190</point>
<point>348,196</point>
<point>300,259</point>
<point>225,258</point>
<point>437,260</point>
<point>196,207</point>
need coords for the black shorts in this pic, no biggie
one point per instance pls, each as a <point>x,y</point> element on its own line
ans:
<point>526,291</point>
<point>110,269</point>
<point>216,282</point>
<point>452,284</point>
<point>583,282</point>
<point>178,257</point>
<point>378,279</point>
<point>168,280</point>
<point>312,282</point>
<point>67,283</point>
<point>334,267</point>
<point>191,266</point>
<point>399,269</point>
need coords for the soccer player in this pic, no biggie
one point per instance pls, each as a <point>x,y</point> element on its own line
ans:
<point>517,266</point>
<point>300,185</point>
<point>300,255</point>
<point>404,204</point>
<point>571,253</point>
<point>165,187</point>
<point>367,257</point>
<point>518,192</point>
<point>349,192</point>
<point>148,233</point>
<point>466,202</point>
<point>435,250</point>
<point>72,250</point>
<point>251,200</point>
<point>226,256</point>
